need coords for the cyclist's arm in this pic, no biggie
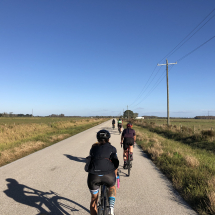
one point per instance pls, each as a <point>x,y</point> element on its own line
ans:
<point>116,172</point>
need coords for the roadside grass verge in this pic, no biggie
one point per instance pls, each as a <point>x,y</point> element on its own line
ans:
<point>22,140</point>
<point>191,169</point>
<point>204,139</point>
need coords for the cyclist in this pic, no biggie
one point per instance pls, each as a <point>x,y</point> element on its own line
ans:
<point>127,139</point>
<point>120,124</point>
<point>113,123</point>
<point>102,166</point>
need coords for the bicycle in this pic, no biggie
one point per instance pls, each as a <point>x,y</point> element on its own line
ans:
<point>128,158</point>
<point>113,126</point>
<point>120,129</point>
<point>103,203</point>
<point>103,200</point>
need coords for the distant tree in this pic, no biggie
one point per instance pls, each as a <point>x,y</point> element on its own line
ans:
<point>135,115</point>
<point>128,113</point>
<point>5,114</point>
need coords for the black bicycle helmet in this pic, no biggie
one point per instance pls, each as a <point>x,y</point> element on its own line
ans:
<point>103,135</point>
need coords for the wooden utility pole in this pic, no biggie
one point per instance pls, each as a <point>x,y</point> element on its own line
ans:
<point>167,83</point>
<point>128,112</point>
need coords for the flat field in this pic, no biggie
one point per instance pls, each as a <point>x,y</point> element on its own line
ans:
<point>22,136</point>
<point>197,124</point>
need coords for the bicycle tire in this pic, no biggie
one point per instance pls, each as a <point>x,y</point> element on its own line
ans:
<point>106,200</point>
<point>129,164</point>
<point>100,201</point>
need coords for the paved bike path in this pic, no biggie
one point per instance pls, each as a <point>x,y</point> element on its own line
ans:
<point>53,181</point>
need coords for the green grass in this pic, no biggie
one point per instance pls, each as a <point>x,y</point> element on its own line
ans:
<point>199,124</point>
<point>191,169</point>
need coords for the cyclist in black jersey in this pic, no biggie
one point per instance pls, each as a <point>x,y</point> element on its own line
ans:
<point>127,139</point>
<point>113,123</point>
<point>102,166</point>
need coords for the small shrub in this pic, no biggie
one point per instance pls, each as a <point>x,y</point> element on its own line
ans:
<point>209,133</point>
<point>191,161</point>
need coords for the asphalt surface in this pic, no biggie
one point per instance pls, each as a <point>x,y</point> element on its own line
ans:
<point>53,181</point>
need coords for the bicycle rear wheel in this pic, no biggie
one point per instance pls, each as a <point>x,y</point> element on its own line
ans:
<point>129,163</point>
<point>100,201</point>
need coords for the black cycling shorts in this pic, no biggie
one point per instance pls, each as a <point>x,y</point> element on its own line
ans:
<point>120,126</point>
<point>94,181</point>
<point>128,142</point>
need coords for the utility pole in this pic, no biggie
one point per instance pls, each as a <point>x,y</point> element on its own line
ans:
<point>128,112</point>
<point>167,83</point>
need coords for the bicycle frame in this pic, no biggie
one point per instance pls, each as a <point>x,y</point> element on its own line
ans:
<point>103,200</point>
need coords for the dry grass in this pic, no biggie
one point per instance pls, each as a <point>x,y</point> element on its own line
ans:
<point>211,197</point>
<point>155,150</point>
<point>211,194</point>
<point>10,155</point>
<point>191,161</point>
<point>54,138</point>
<point>211,183</point>
<point>17,141</point>
<point>14,133</point>
<point>169,154</point>
<point>19,132</point>
<point>141,137</point>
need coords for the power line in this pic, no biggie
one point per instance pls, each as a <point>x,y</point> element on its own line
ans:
<point>146,87</point>
<point>143,87</point>
<point>155,86</point>
<point>171,52</point>
<point>196,48</point>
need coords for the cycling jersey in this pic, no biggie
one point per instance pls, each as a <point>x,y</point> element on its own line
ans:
<point>128,137</point>
<point>113,121</point>
<point>103,159</point>
<point>128,133</point>
<point>120,123</point>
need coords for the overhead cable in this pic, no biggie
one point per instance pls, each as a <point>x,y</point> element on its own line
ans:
<point>175,49</point>
<point>195,49</point>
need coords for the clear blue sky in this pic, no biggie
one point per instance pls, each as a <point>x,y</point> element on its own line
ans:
<point>95,57</point>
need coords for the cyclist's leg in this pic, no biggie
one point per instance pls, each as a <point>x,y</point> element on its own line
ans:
<point>110,181</point>
<point>93,204</point>
<point>125,151</point>
<point>131,151</point>
<point>93,184</point>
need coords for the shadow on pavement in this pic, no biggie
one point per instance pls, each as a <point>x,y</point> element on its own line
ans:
<point>78,159</point>
<point>46,203</point>
<point>122,172</point>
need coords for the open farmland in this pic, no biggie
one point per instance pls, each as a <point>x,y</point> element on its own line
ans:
<point>197,124</point>
<point>22,136</point>
<point>185,155</point>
